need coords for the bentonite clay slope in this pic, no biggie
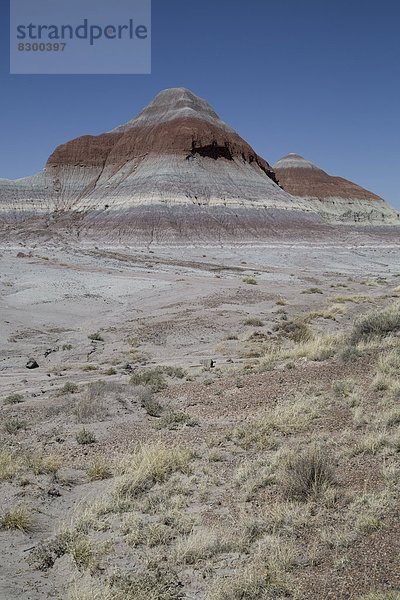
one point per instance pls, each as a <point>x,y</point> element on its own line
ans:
<point>335,197</point>
<point>175,152</point>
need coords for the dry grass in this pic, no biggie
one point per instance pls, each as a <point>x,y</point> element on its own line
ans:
<point>19,518</point>
<point>13,399</point>
<point>151,463</point>
<point>254,322</point>
<point>285,418</point>
<point>91,406</point>
<point>306,473</point>
<point>10,464</point>
<point>84,437</point>
<point>99,468</point>
<point>377,323</point>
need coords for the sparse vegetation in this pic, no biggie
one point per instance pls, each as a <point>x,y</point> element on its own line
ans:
<point>85,437</point>
<point>254,322</point>
<point>13,399</point>
<point>150,464</point>
<point>306,473</point>
<point>312,290</point>
<point>98,469</point>
<point>69,388</point>
<point>96,337</point>
<point>155,378</point>
<point>249,280</point>
<point>377,323</point>
<point>19,518</point>
<point>91,405</point>
<point>174,419</point>
<point>12,426</point>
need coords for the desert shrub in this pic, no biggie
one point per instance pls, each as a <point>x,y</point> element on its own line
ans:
<point>96,337</point>
<point>349,353</point>
<point>312,290</point>
<point>12,426</point>
<point>254,322</point>
<point>249,280</point>
<point>377,323</point>
<point>91,406</point>
<point>110,371</point>
<point>45,554</point>
<point>295,330</point>
<point>147,401</point>
<point>69,388</point>
<point>67,347</point>
<point>173,419</point>
<point>84,437</point>
<point>155,378</point>
<point>13,399</point>
<point>343,387</point>
<point>306,473</point>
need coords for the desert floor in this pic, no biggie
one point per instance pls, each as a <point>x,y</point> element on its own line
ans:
<point>204,423</point>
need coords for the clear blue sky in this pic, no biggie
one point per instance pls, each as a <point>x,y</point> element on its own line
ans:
<point>317,77</point>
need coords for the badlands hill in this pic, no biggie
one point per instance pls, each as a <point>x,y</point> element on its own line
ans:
<point>176,172</point>
<point>336,198</point>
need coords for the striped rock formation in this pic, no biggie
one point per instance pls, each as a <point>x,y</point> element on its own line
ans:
<point>335,198</point>
<point>174,173</point>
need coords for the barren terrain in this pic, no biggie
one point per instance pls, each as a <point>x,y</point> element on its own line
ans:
<point>203,423</point>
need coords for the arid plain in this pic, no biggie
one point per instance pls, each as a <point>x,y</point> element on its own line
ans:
<point>208,422</point>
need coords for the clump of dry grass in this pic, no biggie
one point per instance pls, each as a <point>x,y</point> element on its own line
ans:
<point>367,510</point>
<point>306,473</point>
<point>248,583</point>
<point>43,464</point>
<point>98,469</point>
<point>249,280</point>
<point>200,545</point>
<point>91,406</point>
<point>254,322</point>
<point>10,464</point>
<point>377,323</point>
<point>284,418</point>
<point>18,518</point>
<point>151,463</point>
<point>318,348</point>
<point>83,553</point>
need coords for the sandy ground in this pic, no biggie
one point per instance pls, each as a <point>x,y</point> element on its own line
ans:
<point>166,306</point>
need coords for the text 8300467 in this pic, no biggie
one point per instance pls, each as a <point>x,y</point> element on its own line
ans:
<point>41,47</point>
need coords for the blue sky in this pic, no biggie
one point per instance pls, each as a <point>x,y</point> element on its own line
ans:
<point>317,77</point>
